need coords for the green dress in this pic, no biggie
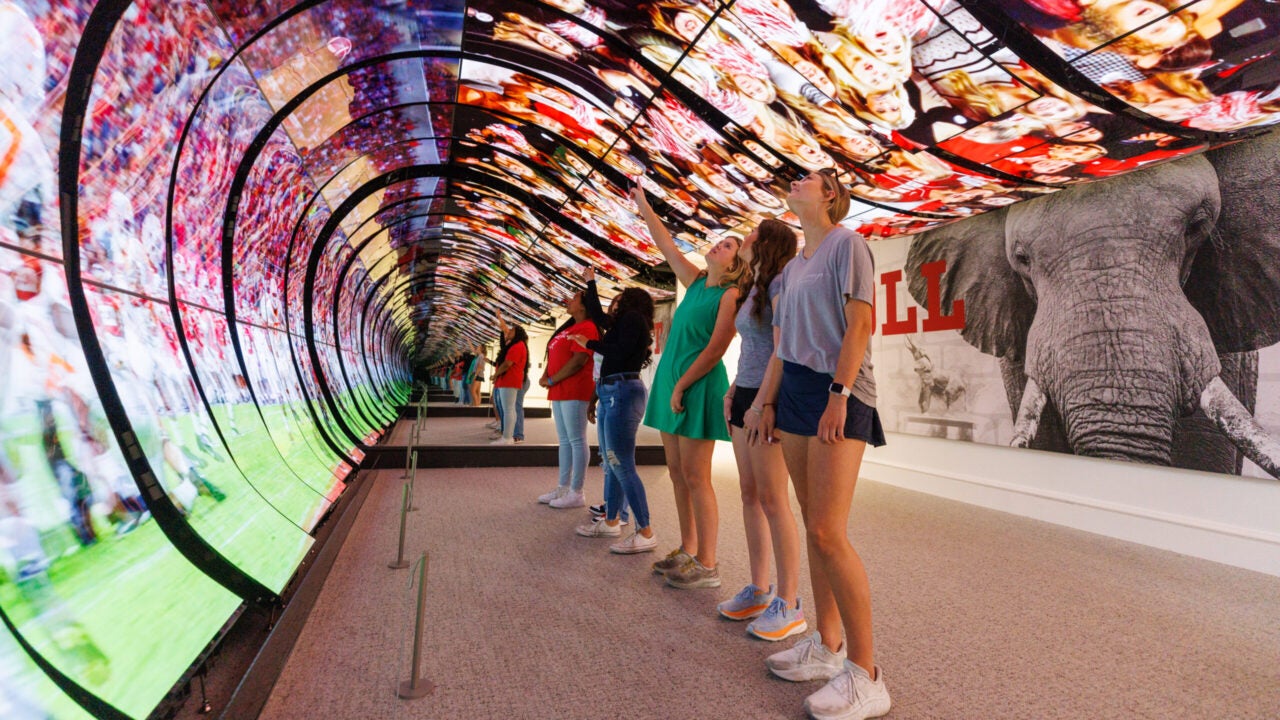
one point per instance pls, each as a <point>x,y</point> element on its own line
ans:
<point>691,328</point>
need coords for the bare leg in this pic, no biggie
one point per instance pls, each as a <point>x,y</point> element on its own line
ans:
<point>759,544</point>
<point>695,461</point>
<point>826,616</point>
<point>833,470</point>
<point>770,471</point>
<point>684,510</point>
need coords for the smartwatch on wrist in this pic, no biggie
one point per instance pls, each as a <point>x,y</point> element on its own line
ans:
<point>838,389</point>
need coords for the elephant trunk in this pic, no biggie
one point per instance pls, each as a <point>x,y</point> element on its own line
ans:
<point>1133,422</point>
<point>1237,423</point>
<point>1122,367</point>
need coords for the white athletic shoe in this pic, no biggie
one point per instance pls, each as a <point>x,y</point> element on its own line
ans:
<point>554,494</point>
<point>850,695</point>
<point>599,528</point>
<point>808,659</point>
<point>634,543</point>
<point>569,499</point>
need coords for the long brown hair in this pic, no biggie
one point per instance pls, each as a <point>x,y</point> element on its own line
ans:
<point>775,246</point>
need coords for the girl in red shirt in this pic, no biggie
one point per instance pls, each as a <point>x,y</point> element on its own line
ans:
<point>512,368</point>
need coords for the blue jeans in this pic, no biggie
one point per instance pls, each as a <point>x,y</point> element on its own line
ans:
<point>571,428</point>
<point>519,433</point>
<point>618,415</point>
<point>506,404</point>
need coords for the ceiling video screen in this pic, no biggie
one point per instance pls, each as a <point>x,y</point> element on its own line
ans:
<point>1206,65</point>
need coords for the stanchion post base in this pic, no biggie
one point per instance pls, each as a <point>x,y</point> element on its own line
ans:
<point>407,690</point>
<point>398,565</point>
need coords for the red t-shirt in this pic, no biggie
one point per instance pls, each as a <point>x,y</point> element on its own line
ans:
<point>560,350</point>
<point>518,356</point>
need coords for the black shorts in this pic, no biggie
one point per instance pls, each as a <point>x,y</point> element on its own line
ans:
<point>742,399</point>
<point>803,398</point>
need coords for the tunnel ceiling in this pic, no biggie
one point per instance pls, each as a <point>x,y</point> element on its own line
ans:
<point>479,154</point>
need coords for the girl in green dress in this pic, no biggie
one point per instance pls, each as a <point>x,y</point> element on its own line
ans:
<point>687,395</point>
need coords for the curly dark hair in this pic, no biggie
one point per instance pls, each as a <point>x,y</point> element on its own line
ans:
<point>635,300</point>
<point>775,246</point>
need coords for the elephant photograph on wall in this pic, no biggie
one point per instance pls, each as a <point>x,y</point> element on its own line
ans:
<point>1133,319</point>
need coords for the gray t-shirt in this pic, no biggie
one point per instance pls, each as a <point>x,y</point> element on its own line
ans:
<point>811,307</point>
<point>757,337</point>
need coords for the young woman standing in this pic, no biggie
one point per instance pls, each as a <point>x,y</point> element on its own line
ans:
<point>825,418</point>
<point>688,391</point>
<point>762,473</point>
<point>567,379</point>
<point>509,376</point>
<point>624,351</point>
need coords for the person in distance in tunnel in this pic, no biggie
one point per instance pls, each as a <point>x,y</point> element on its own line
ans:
<point>510,373</point>
<point>624,352</point>
<point>688,392</point>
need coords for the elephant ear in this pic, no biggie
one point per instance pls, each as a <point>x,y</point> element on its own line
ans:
<point>997,309</point>
<point>1235,277</point>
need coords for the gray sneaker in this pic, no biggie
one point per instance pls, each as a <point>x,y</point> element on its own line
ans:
<point>694,574</point>
<point>808,659</point>
<point>850,695</point>
<point>748,603</point>
<point>673,560</point>
<point>779,621</point>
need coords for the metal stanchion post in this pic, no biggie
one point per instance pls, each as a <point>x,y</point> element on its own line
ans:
<point>400,562</point>
<point>417,686</point>
<point>413,476</point>
<point>408,454</point>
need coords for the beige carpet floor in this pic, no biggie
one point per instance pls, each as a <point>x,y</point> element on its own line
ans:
<point>978,614</point>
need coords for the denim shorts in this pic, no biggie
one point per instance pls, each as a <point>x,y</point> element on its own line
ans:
<point>803,397</point>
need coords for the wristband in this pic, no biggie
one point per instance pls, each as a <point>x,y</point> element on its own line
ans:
<point>756,410</point>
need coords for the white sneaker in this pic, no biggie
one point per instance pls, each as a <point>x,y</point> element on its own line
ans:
<point>850,695</point>
<point>635,543</point>
<point>808,659</point>
<point>493,425</point>
<point>569,499</point>
<point>502,441</point>
<point>599,528</point>
<point>557,493</point>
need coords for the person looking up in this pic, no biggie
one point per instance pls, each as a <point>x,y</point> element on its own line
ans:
<point>688,392</point>
<point>624,351</point>
<point>825,417</point>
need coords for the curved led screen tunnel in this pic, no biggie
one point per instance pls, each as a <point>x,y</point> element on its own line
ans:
<point>229,230</point>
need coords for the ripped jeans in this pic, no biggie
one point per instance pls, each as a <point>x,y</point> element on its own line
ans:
<point>618,416</point>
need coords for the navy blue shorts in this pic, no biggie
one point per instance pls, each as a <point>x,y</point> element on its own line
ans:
<point>803,397</point>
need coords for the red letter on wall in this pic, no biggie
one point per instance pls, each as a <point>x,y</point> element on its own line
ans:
<point>932,273</point>
<point>892,325</point>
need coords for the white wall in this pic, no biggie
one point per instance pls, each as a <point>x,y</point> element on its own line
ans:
<point>1232,520</point>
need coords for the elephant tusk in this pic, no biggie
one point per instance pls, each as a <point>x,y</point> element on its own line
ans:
<point>1028,420</point>
<point>1240,426</point>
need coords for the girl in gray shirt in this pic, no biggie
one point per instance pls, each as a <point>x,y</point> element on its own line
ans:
<point>825,418</point>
